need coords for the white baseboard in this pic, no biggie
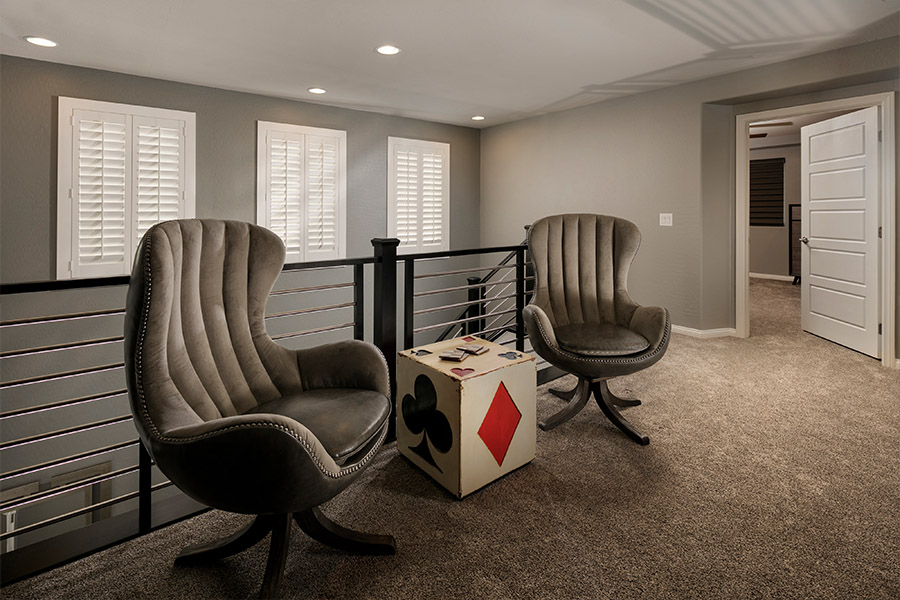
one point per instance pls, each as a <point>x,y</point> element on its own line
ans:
<point>704,333</point>
<point>775,277</point>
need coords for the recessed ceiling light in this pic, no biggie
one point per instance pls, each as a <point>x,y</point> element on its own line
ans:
<point>316,90</point>
<point>387,50</point>
<point>39,41</point>
<point>478,118</point>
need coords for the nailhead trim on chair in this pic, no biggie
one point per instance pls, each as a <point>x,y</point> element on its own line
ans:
<point>139,380</point>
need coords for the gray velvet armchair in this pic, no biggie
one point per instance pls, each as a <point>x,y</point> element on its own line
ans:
<point>235,420</point>
<point>581,317</point>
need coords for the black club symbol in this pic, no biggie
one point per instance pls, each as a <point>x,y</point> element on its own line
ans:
<point>420,414</point>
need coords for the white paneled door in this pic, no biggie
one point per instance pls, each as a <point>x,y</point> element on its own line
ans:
<point>840,230</point>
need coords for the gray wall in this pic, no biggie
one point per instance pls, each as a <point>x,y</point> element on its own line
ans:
<point>769,245</point>
<point>670,150</point>
<point>226,156</point>
<point>226,188</point>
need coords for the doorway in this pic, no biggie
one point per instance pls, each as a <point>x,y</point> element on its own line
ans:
<point>887,298</point>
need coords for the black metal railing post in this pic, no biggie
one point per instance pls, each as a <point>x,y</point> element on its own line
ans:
<point>520,299</point>
<point>529,268</point>
<point>476,306</point>
<point>359,302</point>
<point>409,280</point>
<point>145,498</point>
<point>384,326</point>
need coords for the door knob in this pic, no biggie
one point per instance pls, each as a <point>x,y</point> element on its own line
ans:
<point>804,239</point>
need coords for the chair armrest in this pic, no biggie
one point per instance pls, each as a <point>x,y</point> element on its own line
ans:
<point>348,364</point>
<point>537,323</point>
<point>652,322</point>
<point>625,307</point>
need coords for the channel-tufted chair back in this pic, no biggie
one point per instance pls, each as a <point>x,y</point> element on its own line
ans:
<point>208,355</point>
<point>234,420</point>
<point>581,318</point>
<point>581,264</point>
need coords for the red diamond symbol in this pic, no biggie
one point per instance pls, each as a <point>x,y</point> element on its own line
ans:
<point>500,424</point>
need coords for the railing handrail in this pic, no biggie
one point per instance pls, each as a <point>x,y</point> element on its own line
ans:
<point>53,285</point>
<point>25,287</point>
<point>454,253</point>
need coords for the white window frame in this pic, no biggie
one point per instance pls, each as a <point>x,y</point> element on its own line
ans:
<point>266,129</point>
<point>67,264</point>
<point>396,144</point>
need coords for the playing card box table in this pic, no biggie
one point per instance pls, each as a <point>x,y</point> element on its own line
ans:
<point>466,423</point>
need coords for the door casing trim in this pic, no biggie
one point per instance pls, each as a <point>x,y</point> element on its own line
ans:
<point>887,209</point>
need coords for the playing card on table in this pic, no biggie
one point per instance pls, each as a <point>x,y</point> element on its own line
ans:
<point>475,349</point>
<point>455,355</point>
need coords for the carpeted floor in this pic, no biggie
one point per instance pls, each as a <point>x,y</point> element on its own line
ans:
<point>773,472</point>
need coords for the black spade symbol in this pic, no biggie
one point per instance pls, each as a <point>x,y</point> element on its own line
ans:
<point>510,355</point>
<point>421,352</point>
<point>420,414</point>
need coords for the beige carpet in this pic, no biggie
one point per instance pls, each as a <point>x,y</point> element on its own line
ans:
<point>773,472</point>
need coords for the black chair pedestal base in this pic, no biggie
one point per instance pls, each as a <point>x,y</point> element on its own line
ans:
<point>312,521</point>
<point>577,397</point>
<point>608,402</point>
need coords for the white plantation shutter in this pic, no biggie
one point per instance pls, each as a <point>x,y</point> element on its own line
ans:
<point>158,173</point>
<point>285,192</point>
<point>300,189</point>
<point>122,169</point>
<point>406,190</point>
<point>322,197</point>
<point>419,194</point>
<point>432,200</point>
<point>99,192</point>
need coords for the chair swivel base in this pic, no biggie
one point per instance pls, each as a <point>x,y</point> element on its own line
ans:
<point>312,521</point>
<point>608,402</point>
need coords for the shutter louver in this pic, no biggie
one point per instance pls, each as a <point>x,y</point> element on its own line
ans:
<point>432,199</point>
<point>407,197</point>
<point>322,196</point>
<point>100,191</point>
<point>286,192</point>
<point>158,175</point>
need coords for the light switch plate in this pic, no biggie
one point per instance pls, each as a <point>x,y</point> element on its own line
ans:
<point>665,219</point>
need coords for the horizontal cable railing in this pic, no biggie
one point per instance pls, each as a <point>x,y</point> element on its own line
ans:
<point>68,459</point>
<point>490,309</point>
<point>343,293</point>
<point>43,437</point>
<point>19,503</point>
<point>60,404</point>
<point>64,410</point>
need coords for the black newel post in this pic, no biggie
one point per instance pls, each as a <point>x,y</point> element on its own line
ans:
<point>529,269</point>
<point>520,299</point>
<point>384,326</point>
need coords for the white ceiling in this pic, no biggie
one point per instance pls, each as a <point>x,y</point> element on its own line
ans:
<point>504,59</point>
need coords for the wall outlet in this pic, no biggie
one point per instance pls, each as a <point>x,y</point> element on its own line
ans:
<point>665,219</point>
